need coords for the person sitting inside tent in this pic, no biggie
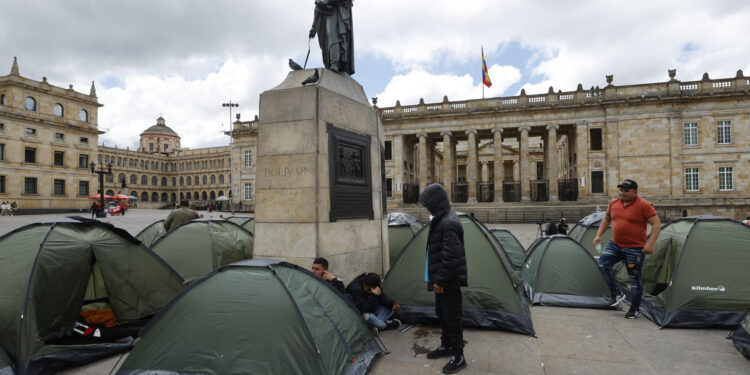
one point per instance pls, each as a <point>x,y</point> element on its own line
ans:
<point>375,306</point>
<point>320,268</point>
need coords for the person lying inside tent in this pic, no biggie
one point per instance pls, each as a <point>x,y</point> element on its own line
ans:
<point>320,268</point>
<point>376,308</point>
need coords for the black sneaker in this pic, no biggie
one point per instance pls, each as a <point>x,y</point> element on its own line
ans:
<point>439,352</point>
<point>454,365</point>
<point>633,313</point>
<point>616,299</point>
<point>392,324</point>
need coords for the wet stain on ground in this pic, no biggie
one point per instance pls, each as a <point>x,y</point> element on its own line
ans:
<point>420,332</point>
<point>418,349</point>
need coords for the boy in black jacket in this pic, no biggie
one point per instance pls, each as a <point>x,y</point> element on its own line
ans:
<point>375,306</point>
<point>446,274</point>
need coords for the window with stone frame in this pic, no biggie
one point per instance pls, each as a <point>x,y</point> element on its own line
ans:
<point>83,188</point>
<point>2,99</point>
<point>110,178</point>
<point>30,104</point>
<point>388,150</point>
<point>59,158</point>
<point>726,179</point>
<point>30,155</point>
<point>691,179</point>
<point>2,151</point>
<point>31,132</point>
<point>2,184</point>
<point>29,185</point>
<point>58,110</point>
<point>389,187</point>
<point>83,115</point>
<point>724,129</point>
<point>597,182</point>
<point>84,140</point>
<point>595,139</point>
<point>59,187</point>
<point>248,191</point>
<point>151,147</point>
<point>248,158</point>
<point>83,161</point>
<point>690,133</point>
<point>59,136</point>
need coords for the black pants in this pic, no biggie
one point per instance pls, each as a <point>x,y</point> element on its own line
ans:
<point>448,307</point>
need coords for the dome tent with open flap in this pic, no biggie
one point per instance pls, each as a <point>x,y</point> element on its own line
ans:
<point>511,245</point>
<point>257,316</point>
<point>244,221</point>
<point>698,274</point>
<point>53,272</point>
<point>494,298</point>
<point>151,233</point>
<point>402,228</point>
<point>585,231</point>
<point>200,246</point>
<point>741,336</point>
<point>560,272</point>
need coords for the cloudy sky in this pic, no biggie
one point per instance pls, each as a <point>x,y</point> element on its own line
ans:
<point>183,58</point>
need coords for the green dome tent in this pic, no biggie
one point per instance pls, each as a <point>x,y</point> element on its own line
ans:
<point>493,299</point>
<point>740,336</point>
<point>6,364</point>
<point>560,272</point>
<point>244,221</point>
<point>511,245</point>
<point>402,228</point>
<point>698,274</point>
<point>200,246</point>
<point>585,231</point>
<point>151,233</point>
<point>258,316</point>
<point>49,270</point>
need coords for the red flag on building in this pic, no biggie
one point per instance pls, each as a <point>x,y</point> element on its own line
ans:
<point>485,75</point>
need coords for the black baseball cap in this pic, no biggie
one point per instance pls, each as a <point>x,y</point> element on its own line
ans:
<point>628,184</point>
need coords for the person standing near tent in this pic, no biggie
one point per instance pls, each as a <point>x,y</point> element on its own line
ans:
<point>445,274</point>
<point>320,268</point>
<point>375,306</point>
<point>629,215</point>
<point>179,216</point>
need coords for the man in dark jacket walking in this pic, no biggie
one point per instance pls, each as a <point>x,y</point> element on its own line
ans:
<point>446,274</point>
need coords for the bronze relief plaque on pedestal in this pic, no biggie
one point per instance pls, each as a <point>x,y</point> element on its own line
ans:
<point>350,175</point>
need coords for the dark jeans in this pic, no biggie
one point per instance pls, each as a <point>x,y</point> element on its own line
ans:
<point>633,258</point>
<point>448,307</point>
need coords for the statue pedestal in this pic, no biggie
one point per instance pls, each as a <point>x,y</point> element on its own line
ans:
<point>318,182</point>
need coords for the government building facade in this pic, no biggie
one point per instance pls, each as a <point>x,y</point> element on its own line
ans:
<point>686,143</point>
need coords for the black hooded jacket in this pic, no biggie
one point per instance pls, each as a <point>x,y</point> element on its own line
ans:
<point>445,242</point>
<point>365,302</point>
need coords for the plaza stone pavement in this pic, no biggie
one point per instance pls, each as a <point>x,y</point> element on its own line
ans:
<point>569,341</point>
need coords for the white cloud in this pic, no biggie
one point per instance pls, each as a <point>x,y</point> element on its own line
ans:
<point>416,84</point>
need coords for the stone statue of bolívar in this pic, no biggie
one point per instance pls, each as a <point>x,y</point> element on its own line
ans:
<point>333,25</point>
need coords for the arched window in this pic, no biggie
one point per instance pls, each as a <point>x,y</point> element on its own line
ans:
<point>182,181</point>
<point>154,180</point>
<point>205,180</point>
<point>133,179</point>
<point>213,179</point>
<point>204,196</point>
<point>109,192</point>
<point>164,197</point>
<point>30,104</point>
<point>119,161</point>
<point>221,193</point>
<point>221,179</point>
<point>189,197</point>
<point>174,197</point>
<point>110,178</point>
<point>2,99</point>
<point>213,195</point>
<point>134,194</point>
<point>197,180</point>
<point>189,180</point>
<point>154,197</point>
<point>83,115</point>
<point>57,109</point>
<point>144,197</point>
<point>121,178</point>
<point>144,180</point>
<point>174,181</point>
<point>182,195</point>
<point>163,181</point>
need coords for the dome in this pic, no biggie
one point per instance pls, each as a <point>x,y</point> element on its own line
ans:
<point>160,128</point>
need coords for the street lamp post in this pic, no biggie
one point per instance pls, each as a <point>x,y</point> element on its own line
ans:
<point>101,172</point>
<point>179,166</point>
<point>230,105</point>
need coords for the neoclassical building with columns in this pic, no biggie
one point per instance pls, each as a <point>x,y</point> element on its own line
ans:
<point>687,143</point>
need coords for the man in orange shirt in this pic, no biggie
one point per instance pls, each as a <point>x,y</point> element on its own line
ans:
<point>629,215</point>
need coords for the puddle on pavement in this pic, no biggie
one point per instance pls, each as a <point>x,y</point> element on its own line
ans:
<point>418,349</point>
<point>420,332</point>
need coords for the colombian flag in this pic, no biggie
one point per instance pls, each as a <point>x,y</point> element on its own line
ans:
<point>485,76</point>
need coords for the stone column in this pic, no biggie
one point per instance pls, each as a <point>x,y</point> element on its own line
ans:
<point>499,166</point>
<point>423,163</point>
<point>582,160</point>
<point>471,165</point>
<point>449,162</point>
<point>523,160</point>
<point>552,160</point>
<point>398,167</point>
